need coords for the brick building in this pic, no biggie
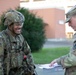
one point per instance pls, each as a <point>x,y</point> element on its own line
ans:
<point>8,4</point>
<point>51,13</point>
<point>53,17</point>
<point>54,20</point>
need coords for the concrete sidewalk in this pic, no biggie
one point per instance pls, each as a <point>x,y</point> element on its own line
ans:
<point>53,71</point>
<point>50,43</point>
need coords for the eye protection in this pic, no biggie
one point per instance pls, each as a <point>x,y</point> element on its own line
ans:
<point>18,23</point>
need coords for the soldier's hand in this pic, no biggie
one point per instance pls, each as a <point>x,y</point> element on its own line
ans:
<point>53,62</point>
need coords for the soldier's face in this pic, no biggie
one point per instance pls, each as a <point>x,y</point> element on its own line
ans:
<point>72,22</point>
<point>17,28</point>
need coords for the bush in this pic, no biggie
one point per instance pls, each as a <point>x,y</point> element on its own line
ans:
<point>2,27</point>
<point>33,29</point>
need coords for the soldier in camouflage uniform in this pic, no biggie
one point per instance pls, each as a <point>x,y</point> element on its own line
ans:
<point>68,61</point>
<point>13,47</point>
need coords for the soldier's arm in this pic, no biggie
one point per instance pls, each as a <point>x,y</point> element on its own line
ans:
<point>1,55</point>
<point>69,59</point>
<point>27,52</point>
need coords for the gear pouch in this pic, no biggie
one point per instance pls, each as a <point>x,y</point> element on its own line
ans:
<point>16,58</point>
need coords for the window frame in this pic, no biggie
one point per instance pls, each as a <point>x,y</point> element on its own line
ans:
<point>38,0</point>
<point>24,0</point>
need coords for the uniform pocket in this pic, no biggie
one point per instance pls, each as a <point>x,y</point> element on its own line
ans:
<point>16,59</point>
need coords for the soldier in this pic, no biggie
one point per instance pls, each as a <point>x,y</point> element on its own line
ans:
<point>15,53</point>
<point>68,61</point>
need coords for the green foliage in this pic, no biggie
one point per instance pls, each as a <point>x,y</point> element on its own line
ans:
<point>33,29</point>
<point>2,27</point>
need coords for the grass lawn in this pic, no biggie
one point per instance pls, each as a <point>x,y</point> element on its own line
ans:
<point>48,54</point>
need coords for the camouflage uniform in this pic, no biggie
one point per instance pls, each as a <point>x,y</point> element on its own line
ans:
<point>68,61</point>
<point>12,51</point>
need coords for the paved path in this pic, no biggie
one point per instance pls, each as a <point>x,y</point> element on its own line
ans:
<point>54,71</point>
<point>57,43</point>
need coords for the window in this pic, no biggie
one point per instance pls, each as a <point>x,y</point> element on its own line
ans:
<point>24,0</point>
<point>69,34</point>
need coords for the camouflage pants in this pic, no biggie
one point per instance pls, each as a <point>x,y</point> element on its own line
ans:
<point>20,71</point>
<point>15,71</point>
<point>70,71</point>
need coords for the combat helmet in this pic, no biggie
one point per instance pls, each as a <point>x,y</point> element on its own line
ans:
<point>13,16</point>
